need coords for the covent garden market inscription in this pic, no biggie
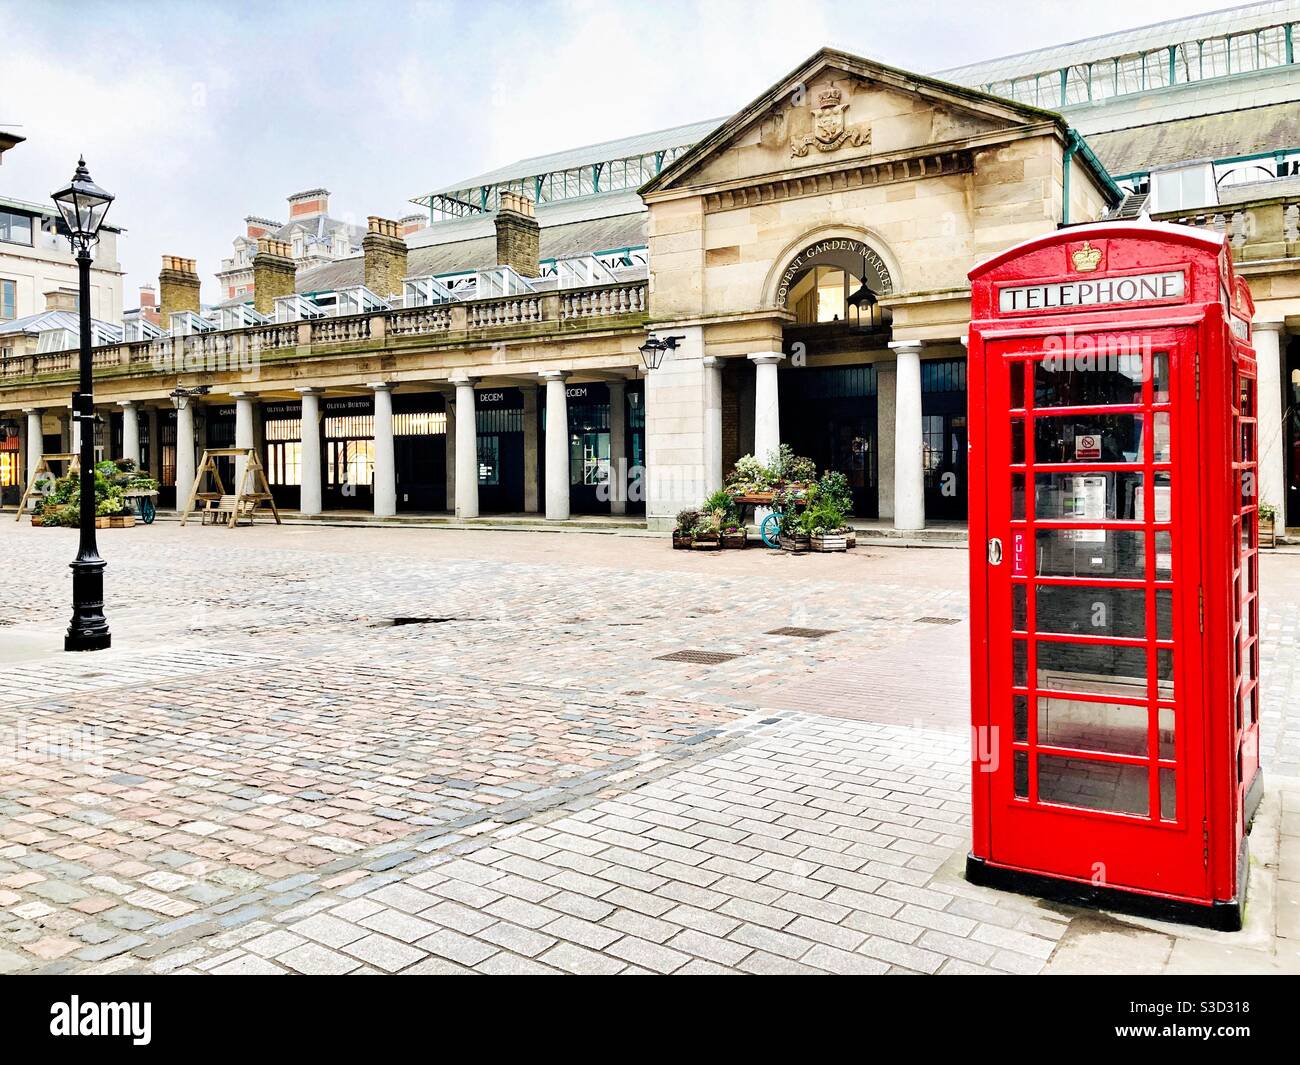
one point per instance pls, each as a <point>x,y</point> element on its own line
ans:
<point>856,256</point>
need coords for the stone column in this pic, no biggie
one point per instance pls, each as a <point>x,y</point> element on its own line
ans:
<point>184,453</point>
<point>532,481</point>
<point>557,445</point>
<point>309,492</point>
<point>618,447</point>
<point>1269,344</point>
<point>155,443</point>
<point>767,405</point>
<point>130,430</point>
<point>713,422</point>
<point>450,462</point>
<point>385,486</point>
<point>466,449</point>
<point>35,442</point>
<point>244,436</point>
<point>909,470</point>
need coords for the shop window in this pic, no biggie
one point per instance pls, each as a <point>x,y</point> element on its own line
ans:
<point>284,463</point>
<point>10,471</point>
<point>350,462</point>
<point>589,455</point>
<point>489,459</point>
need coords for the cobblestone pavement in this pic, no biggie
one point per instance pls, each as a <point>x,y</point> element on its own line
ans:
<point>265,774</point>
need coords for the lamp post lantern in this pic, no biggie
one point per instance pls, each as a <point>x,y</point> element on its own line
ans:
<point>83,205</point>
<point>654,350</point>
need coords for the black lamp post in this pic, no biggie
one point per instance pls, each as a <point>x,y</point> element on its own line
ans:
<point>83,205</point>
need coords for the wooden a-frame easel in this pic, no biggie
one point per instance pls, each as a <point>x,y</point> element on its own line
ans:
<point>244,502</point>
<point>42,471</point>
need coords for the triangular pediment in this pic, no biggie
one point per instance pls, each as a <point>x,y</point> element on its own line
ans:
<point>841,109</point>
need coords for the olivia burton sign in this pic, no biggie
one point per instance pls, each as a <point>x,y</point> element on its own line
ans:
<point>1135,288</point>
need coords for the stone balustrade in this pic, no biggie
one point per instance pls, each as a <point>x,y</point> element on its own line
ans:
<point>449,322</point>
<point>509,310</point>
<point>1256,231</point>
<point>603,301</point>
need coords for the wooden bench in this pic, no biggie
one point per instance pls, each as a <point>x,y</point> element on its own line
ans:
<point>228,510</point>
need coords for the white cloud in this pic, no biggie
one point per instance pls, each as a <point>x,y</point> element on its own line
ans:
<point>198,114</point>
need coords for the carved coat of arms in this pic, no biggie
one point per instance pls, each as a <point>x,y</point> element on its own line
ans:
<point>829,128</point>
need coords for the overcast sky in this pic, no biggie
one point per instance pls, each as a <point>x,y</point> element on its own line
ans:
<point>197,114</point>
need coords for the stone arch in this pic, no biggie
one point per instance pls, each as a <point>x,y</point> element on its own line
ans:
<point>819,245</point>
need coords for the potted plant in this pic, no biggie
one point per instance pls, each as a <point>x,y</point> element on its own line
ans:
<point>1267,525</point>
<point>751,481</point>
<point>795,533</point>
<point>686,520</point>
<point>792,469</point>
<point>834,486</point>
<point>734,536</point>
<point>707,534</point>
<point>62,506</point>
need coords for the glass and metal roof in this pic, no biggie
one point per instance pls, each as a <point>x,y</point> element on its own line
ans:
<point>1217,44</point>
<point>597,168</point>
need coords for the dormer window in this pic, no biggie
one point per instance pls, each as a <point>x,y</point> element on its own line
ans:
<point>1187,187</point>
<point>15,228</point>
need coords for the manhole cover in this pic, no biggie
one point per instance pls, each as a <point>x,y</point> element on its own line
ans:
<point>938,621</point>
<point>804,634</point>
<point>703,658</point>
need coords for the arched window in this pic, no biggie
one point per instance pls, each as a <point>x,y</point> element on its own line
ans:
<point>836,280</point>
<point>821,295</point>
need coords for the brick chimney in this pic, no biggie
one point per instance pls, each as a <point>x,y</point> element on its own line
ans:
<point>61,299</point>
<point>309,204</point>
<point>385,256</point>
<point>178,282</point>
<point>149,304</point>
<point>273,273</point>
<point>255,227</point>
<point>412,223</point>
<point>518,235</point>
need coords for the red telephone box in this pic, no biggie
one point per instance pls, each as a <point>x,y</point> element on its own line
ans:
<point>1114,571</point>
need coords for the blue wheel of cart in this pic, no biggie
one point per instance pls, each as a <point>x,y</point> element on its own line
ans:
<point>146,510</point>
<point>770,529</point>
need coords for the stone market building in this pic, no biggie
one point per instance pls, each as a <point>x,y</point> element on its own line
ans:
<point>809,252</point>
